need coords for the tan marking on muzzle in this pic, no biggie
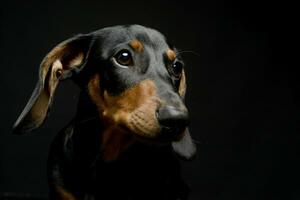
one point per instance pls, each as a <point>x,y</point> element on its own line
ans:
<point>135,109</point>
<point>133,112</point>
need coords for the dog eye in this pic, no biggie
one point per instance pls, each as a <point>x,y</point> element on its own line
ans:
<point>176,69</point>
<point>124,58</point>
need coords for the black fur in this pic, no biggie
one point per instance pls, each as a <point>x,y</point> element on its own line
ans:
<point>143,171</point>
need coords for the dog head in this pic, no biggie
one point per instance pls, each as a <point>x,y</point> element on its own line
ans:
<point>132,75</point>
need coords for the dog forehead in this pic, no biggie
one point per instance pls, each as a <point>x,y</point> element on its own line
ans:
<point>109,37</point>
<point>148,36</point>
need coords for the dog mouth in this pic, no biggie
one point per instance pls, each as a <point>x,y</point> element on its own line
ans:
<point>171,133</point>
<point>149,120</point>
<point>149,129</point>
<point>165,136</point>
<point>144,124</point>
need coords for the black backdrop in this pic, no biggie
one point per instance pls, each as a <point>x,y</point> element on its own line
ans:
<point>241,95</point>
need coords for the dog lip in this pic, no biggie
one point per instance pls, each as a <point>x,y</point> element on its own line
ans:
<point>158,140</point>
<point>166,135</point>
<point>171,133</point>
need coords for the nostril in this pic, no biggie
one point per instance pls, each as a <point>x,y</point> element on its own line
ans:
<point>171,117</point>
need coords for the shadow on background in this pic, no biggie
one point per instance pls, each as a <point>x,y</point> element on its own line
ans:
<point>241,92</point>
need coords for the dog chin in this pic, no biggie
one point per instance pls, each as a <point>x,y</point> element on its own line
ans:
<point>164,136</point>
<point>169,135</point>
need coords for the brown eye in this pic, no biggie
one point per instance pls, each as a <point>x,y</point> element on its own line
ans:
<point>176,69</point>
<point>124,58</point>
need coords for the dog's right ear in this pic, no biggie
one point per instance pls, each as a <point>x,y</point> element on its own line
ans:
<point>63,61</point>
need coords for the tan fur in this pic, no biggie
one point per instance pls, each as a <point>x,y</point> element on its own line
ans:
<point>54,79</point>
<point>57,53</point>
<point>171,55</point>
<point>136,45</point>
<point>38,110</point>
<point>64,195</point>
<point>135,109</point>
<point>51,57</point>
<point>115,141</point>
<point>77,60</point>
<point>182,85</point>
<point>120,109</point>
<point>131,113</point>
<point>60,59</point>
<point>94,92</point>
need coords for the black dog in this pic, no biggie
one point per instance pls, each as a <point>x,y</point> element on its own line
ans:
<point>130,120</point>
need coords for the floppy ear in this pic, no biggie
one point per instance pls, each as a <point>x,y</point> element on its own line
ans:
<point>63,61</point>
<point>185,147</point>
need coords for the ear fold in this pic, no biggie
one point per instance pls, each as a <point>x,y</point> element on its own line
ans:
<point>63,61</point>
<point>185,147</point>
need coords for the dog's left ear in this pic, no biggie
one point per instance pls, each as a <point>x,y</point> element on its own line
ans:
<point>184,148</point>
<point>63,61</point>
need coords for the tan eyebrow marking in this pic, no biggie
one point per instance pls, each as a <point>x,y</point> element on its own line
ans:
<point>171,55</point>
<point>136,45</point>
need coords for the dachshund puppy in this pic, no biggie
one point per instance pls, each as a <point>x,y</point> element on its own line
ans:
<point>131,120</point>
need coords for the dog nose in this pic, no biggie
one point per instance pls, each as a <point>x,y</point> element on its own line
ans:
<point>172,119</point>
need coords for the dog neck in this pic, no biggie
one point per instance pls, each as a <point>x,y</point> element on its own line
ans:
<point>141,166</point>
<point>112,141</point>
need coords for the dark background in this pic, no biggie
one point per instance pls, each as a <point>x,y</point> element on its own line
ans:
<point>241,94</point>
